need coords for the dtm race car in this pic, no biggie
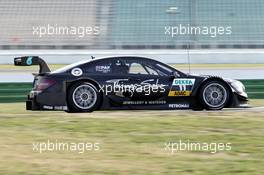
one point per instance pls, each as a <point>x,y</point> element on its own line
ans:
<point>127,82</point>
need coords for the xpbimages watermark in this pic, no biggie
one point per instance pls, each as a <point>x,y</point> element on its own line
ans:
<point>212,31</point>
<point>121,86</point>
<point>213,147</point>
<point>60,146</point>
<point>57,30</point>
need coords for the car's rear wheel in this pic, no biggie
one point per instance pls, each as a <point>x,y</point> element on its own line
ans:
<point>214,95</point>
<point>83,97</point>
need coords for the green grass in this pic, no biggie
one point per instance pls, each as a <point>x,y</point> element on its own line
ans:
<point>131,142</point>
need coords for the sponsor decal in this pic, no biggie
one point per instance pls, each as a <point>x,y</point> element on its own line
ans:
<point>60,108</point>
<point>179,93</point>
<point>77,72</point>
<point>104,69</point>
<point>29,61</point>
<point>48,107</point>
<point>55,107</point>
<point>181,87</point>
<point>144,102</point>
<point>179,106</point>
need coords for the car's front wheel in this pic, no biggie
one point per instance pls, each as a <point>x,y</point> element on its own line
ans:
<point>83,97</point>
<point>214,95</point>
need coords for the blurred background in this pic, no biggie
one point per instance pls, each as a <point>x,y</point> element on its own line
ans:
<point>133,142</point>
<point>126,24</point>
<point>138,27</point>
<point>133,27</point>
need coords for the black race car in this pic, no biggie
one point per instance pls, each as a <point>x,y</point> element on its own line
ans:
<point>127,83</point>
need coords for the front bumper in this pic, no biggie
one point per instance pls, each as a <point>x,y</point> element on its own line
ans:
<point>239,101</point>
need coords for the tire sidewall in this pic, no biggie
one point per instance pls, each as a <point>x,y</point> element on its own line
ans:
<point>71,104</point>
<point>202,100</point>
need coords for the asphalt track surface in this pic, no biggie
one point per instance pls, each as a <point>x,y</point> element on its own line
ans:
<point>250,109</point>
<point>225,110</point>
<point>234,73</point>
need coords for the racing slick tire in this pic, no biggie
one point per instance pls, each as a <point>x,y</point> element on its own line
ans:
<point>83,97</point>
<point>214,95</point>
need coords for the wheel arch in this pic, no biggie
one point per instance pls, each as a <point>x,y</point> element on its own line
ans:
<point>69,84</point>
<point>198,89</point>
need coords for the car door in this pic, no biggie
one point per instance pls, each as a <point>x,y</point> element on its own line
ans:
<point>148,84</point>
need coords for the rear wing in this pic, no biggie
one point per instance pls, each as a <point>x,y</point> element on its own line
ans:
<point>32,60</point>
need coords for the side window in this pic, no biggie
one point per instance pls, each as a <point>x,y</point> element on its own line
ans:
<point>136,68</point>
<point>144,69</point>
<point>151,71</point>
<point>164,70</point>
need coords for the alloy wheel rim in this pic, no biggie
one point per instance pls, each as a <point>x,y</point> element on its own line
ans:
<point>215,95</point>
<point>84,96</point>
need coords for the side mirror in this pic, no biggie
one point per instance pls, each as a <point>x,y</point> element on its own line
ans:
<point>176,74</point>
